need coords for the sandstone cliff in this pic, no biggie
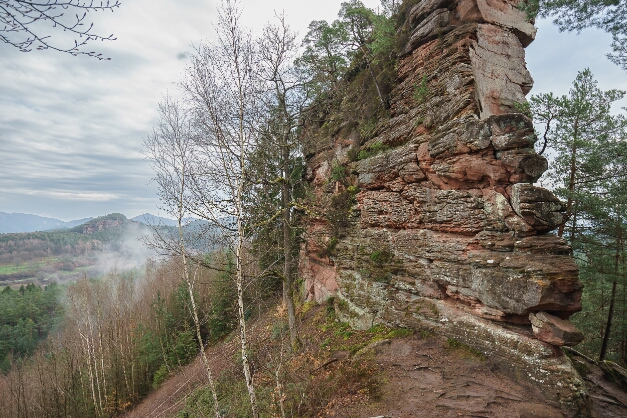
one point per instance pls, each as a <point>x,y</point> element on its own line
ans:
<point>438,225</point>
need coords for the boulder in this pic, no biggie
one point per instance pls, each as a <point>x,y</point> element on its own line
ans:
<point>614,373</point>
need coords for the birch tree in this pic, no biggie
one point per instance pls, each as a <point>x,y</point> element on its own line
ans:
<point>222,88</point>
<point>170,150</point>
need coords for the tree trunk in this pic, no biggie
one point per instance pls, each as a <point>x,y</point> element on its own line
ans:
<point>242,328</point>
<point>239,210</point>
<point>374,78</point>
<point>608,324</point>
<point>571,180</point>
<point>288,296</point>
<point>610,314</point>
<point>190,289</point>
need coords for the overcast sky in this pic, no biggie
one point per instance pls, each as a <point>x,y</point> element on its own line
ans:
<point>71,128</point>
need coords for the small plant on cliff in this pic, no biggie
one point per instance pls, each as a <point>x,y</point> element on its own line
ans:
<point>338,172</point>
<point>367,129</point>
<point>381,266</point>
<point>372,150</point>
<point>381,257</point>
<point>421,90</point>
<point>338,213</point>
<point>329,248</point>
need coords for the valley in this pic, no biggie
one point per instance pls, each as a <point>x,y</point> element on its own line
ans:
<point>93,248</point>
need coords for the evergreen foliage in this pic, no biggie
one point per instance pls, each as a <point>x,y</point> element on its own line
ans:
<point>361,39</point>
<point>586,142</point>
<point>608,15</point>
<point>27,316</point>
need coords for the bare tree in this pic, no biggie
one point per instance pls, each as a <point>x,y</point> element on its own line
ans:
<point>23,21</point>
<point>223,89</point>
<point>170,150</point>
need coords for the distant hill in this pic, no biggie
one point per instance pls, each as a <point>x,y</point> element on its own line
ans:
<point>93,247</point>
<point>23,222</point>
<point>149,219</point>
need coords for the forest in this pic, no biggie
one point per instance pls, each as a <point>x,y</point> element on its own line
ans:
<point>66,254</point>
<point>232,154</point>
<point>16,248</point>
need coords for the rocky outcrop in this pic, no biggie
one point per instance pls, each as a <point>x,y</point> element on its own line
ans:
<point>90,228</point>
<point>446,230</point>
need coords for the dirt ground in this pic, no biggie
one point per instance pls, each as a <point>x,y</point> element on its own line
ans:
<point>424,379</point>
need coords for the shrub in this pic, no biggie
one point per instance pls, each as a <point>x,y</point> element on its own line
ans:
<point>338,172</point>
<point>421,91</point>
<point>372,150</point>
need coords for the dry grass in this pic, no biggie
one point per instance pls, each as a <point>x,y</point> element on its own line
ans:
<point>321,375</point>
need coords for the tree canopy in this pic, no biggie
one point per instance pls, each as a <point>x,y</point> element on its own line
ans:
<point>569,15</point>
<point>586,142</point>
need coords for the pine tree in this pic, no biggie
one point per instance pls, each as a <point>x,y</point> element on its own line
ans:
<point>585,140</point>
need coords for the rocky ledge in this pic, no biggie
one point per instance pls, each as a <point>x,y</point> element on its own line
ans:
<point>445,229</point>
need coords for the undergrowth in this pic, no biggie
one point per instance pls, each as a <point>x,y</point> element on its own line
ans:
<point>324,375</point>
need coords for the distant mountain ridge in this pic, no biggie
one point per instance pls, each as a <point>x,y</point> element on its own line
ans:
<point>23,222</point>
<point>150,219</point>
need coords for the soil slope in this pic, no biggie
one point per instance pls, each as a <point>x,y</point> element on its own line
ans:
<point>417,375</point>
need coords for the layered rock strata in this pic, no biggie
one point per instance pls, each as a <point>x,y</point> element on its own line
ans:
<point>448,231</point>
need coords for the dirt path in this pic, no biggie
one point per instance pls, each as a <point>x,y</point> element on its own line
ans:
<point>424,379</point>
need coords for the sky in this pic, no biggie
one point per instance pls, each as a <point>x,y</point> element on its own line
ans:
<point>72,128</point>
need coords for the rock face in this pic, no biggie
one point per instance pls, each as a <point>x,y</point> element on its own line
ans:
<point>91,227</point>
<point>447,230</point>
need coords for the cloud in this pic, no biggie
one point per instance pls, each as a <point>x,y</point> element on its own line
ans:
<point>71,128</point>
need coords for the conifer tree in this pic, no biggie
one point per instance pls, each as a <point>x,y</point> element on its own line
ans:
<point>608,15</point>
<point>577,128</point>
<point>586,142</point>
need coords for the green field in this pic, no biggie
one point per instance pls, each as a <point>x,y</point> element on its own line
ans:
<point>27,266</point>
<point>12,269</point>
<point>29,272</point>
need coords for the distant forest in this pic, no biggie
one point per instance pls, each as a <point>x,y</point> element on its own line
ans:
<point>23,247</point>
